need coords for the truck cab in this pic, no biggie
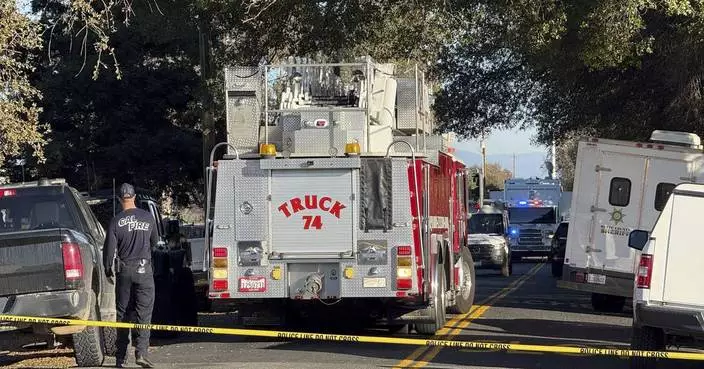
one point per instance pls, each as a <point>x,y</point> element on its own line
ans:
<point>668,305</point>
<point>533,215</point>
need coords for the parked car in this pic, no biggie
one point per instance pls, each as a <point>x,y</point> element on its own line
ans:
<point>51,252</point>
<point>487,240</point>
<point>668,303</point>
<point>557,249</point>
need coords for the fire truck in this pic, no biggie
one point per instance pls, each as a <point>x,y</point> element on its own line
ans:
<point>334,196</point>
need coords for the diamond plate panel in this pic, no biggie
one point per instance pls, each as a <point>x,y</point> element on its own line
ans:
<point>319,141</point>
<point>250,185</point>
<point>298,197</point>
<point>406,104</point>
<point>243,122</point>
<point>401,234</point>
<point>317,163</point>
<point>242,78</point>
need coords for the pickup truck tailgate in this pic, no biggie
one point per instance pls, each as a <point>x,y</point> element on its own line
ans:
<point>31,261</point>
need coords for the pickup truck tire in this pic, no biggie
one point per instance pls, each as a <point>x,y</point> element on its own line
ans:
<point>464,299</point>
<point>437,307</point>
<point>507,268</point>
<point>110,341</point>
<point>646,338</point>
<point>88,345</point>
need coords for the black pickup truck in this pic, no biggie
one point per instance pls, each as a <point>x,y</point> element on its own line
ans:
<point>51,265</point>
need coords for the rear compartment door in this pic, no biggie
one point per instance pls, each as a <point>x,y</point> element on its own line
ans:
<point>616,211</point>
<point>313,210</point>
<point>685,252</point>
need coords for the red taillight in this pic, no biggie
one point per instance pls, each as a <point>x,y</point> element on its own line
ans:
<point>220,285</point>
<point>404,284</point>
<point>73,264</point>
<point>645,271</point>
<point>219,252</point>
<point>7,193</point>
<point>404,250</point>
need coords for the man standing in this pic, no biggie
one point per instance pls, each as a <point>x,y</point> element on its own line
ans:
<point>131,235</point>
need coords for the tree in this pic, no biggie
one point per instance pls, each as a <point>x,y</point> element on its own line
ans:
<point>618,67</point>
<point>19,124</point>
<point>494,179</point>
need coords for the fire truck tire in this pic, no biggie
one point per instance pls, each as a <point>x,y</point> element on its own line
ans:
<point>437,308</point>
<point>465,296</point>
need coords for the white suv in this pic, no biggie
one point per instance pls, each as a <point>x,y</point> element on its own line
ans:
<point>668,301</point>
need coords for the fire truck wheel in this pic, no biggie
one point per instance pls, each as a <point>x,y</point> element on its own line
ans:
<point>437,307</point>
<point>465,296</point>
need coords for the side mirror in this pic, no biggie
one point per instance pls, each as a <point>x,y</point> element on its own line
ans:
<point>638,239</point>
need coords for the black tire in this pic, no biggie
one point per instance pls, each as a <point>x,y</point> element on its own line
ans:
<point>110,341</point>
<point>464,301</point>
<point>88,344</point>
<point>646,338</point>
<point>438,307</point>
<point>608,303</point>
<point>507,268</point>
<point>556,269</point>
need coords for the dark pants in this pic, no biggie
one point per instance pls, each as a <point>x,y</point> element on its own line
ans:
<point>135,301</point>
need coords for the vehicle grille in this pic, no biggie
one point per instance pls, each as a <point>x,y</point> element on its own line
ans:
<point>481,251</point>
<point>530,237</point>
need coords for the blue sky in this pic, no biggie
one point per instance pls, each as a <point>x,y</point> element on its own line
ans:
<point>512,141</point>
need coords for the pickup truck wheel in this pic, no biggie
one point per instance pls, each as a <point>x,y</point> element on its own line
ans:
<point>437,308</point>
<point>110,340</point>
<point>464,299</point>
<point>88,344</point>
<point>646,338</point>
<point>506,268</point>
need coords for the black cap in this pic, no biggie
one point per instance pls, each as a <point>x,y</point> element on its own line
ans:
<point>126,191</point>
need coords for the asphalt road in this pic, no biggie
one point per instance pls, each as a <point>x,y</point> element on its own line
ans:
<point>524,308</point>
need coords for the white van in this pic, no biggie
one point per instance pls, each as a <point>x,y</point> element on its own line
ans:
<point>668,302</point>
<point>620,186</point>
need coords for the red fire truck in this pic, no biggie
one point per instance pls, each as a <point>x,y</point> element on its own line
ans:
<point>333,193</point>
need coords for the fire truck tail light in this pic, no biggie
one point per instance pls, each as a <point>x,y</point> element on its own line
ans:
<point>220,263</point>
<point>404,250</point>
<point>404,284</point>
<point>220,285</point>
<point>404,271</point>
<point>219,273</point>
<point>219,252</point>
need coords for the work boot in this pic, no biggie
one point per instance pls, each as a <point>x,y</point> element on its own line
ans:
<point>121,363</point>
<point>144,362</point>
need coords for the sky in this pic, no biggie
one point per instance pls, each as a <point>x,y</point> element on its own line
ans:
<point>512,141</point>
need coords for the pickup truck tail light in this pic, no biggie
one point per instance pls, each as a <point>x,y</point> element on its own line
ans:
<point>73,264</point>
<point>645,271</point>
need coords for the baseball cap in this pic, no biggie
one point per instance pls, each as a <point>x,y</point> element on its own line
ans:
<point>126,191</point>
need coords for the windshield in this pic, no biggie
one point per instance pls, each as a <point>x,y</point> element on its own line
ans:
<point>532,215</point>
<point>486,224</point>
<point>24,209</point>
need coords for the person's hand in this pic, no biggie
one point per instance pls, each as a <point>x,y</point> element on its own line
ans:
<point>110,275</point>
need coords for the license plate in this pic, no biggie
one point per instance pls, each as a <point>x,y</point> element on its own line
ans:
<point>374,282</point>
<point>252,284</point>
<point>596,278</point>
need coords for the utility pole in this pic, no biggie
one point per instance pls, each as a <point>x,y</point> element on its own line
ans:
<point>482,171</point>
<point>553,175</point>
<point>513,172</point>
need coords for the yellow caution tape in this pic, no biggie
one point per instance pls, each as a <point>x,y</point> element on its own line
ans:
<point>472,345</point>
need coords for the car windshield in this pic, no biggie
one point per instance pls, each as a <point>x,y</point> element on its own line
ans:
<point>30,208</point>
<point>532,215</point>
<point>486,224</point>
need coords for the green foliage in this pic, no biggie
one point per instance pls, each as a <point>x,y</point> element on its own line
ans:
<point>19,124</point>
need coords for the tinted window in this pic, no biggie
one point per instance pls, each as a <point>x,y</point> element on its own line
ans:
<point>30,208</point>
<point>662,193</point>
<point>620,192</point>
<point>532,215</point>
<point>486,224</point>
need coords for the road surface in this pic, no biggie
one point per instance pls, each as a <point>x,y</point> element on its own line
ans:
<point>524,308</point>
